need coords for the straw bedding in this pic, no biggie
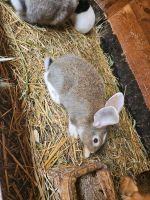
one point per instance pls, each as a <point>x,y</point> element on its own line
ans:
<point>41,123</point>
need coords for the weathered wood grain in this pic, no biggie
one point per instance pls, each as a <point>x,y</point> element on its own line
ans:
<point>130,21</point>
<point>106,183</point>
<point>79,183</point>
<point>110,7</point>
<point>141,9</point>
<point>135,46</point>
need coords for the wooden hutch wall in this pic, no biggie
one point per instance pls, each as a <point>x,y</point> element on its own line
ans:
<point>130,21</point>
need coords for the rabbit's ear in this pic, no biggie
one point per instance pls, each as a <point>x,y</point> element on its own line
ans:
<point>117,101</point>
<point>106,116</point>
<point>47,62</point>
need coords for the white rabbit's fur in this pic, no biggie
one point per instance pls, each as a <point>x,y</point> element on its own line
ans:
<point>17,5</point>
<point>73,130</point>
<point>54,94</point>
<point>84,22</point>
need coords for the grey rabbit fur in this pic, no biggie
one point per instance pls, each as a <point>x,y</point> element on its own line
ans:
<point>56,12</point>
<point>45,12</point>
<point>74,83</point>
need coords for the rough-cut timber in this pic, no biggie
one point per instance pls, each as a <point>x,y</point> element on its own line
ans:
<point>141,9</point>
<point>130,21</point>
<point>111,7</point>
<point>136,47</point>
<point>89,181</point>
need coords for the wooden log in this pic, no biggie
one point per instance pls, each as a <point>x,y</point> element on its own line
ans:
<point>105,180</point>
<point>78,183</point>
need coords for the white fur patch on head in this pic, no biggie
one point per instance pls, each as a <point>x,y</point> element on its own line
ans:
<point>84,22</point>
<point>17,5</point>
<point>53,93</point>
<point>73,130</point>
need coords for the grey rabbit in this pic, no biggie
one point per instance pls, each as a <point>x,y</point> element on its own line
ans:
<point>56,12</point>
<point>74,83</point>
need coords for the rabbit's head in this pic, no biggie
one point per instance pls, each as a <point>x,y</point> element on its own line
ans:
<point>93,135</point>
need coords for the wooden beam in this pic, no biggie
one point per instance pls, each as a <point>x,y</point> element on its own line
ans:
<point>130,21</point>
<point>135,46</point>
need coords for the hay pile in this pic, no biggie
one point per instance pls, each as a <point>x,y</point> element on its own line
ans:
<point>16,171</point>
<point>46,122</point>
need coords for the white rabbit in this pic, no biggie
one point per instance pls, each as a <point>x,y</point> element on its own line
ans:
<point>75,84</point>
<point>52,12</point>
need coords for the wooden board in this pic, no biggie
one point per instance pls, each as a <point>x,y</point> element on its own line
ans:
<point>130,21</point>
<point>110,7</point>
<point>141,9</point>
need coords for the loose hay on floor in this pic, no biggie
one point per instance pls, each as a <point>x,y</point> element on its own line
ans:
<point>16,171</point>
<point>47,122</point>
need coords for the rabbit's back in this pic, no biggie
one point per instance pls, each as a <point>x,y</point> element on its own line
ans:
<point>49,12</point>
<point>78,83</point>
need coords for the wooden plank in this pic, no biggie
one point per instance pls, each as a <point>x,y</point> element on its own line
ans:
<point>141,9</point>
<point>110,7</point>
<point>135,45</point>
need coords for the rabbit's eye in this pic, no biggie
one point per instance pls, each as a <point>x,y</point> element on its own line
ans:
<point>95,140</point>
